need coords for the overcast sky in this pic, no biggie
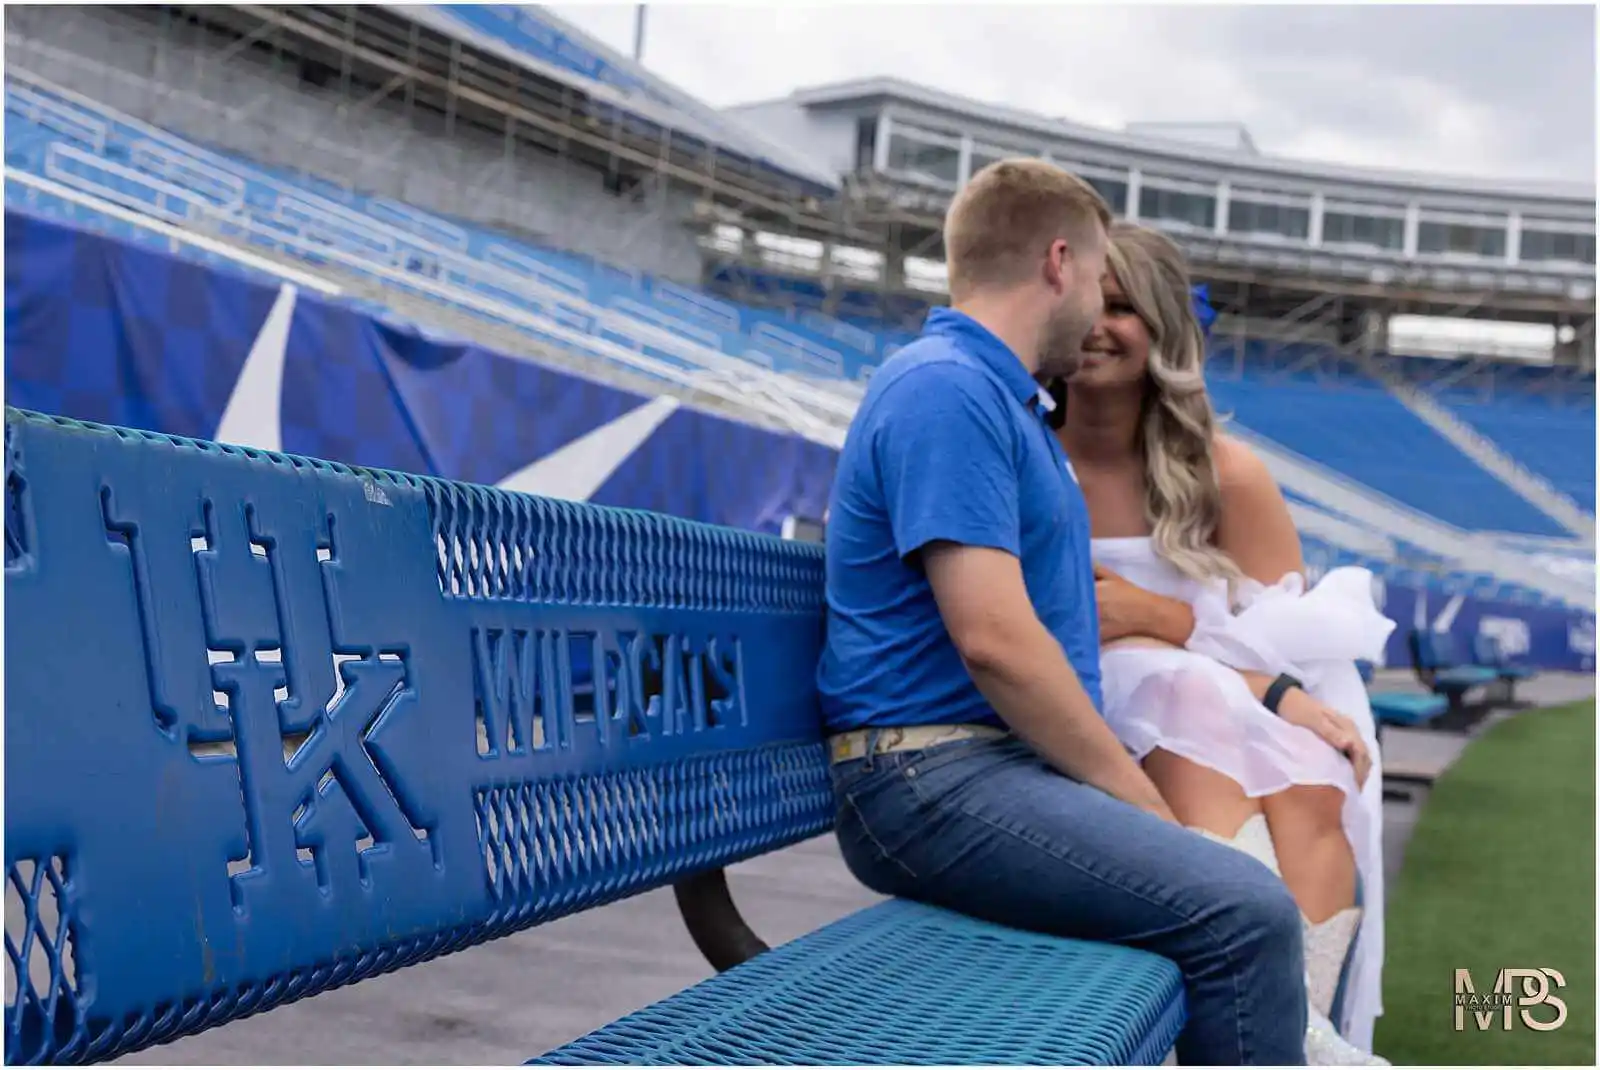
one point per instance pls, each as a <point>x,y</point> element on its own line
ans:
<point>1505,91</point>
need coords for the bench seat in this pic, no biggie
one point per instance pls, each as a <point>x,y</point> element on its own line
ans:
<point>1406,709</point>
<point>1463,678</point>
<point>909,984</point>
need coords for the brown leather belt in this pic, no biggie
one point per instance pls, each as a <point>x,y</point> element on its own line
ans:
<point>850,746</point>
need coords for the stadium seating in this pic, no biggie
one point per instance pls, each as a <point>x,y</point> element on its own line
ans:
<point>366,719</point>
<point>1360,430</point>
<point>93,148</point>
<point>1400,709</point>
<point>1434,659</point>
<point>1553,438</point>
<point>681,335</point>
<point>1489,652</point>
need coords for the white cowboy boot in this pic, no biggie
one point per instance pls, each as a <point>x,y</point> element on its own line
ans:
<point>1326,946</point>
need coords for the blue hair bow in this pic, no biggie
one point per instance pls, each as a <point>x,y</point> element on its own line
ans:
<point>1200,296</point>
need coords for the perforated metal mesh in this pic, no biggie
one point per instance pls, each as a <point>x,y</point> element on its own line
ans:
<point>42,995</point>
<point>902,983</point>
<point>498,545</point>
<point>557,846</point>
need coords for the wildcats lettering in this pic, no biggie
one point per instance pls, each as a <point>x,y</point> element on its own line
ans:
<point>535,690</point>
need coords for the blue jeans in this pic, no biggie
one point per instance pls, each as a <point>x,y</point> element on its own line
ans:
<point>986,828</point>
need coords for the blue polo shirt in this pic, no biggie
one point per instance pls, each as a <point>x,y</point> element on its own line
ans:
<point>949,444</point>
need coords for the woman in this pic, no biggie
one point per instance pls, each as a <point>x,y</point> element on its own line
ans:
<point>1205,626</point>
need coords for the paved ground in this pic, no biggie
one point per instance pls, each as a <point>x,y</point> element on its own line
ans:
<point>507,1001</point>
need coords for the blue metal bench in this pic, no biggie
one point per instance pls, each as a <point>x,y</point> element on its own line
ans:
<point>1434,660</point>
<point>1488,652</point>
<point>1405,709</point>
<point>276,726</point>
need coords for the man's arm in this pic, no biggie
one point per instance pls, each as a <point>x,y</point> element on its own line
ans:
<point>1025,675</point>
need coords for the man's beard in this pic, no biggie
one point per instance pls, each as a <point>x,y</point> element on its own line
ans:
<point>1061,349</point>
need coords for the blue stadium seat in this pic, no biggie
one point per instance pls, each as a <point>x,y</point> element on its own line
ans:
<point>1488,652</point>
<point>1437,666</point>
<point>1400,708</point>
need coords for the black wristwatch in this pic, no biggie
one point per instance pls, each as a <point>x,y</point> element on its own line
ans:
<point>1277,689</point>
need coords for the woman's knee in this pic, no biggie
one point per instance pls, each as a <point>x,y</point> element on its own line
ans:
<point>1307,810</point>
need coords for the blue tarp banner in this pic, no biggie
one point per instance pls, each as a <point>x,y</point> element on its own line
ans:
<point>100,330</point>
<point>97,329</point>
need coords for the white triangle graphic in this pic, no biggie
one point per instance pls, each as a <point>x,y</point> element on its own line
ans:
<point>581,467</point>
<point>252,417</point>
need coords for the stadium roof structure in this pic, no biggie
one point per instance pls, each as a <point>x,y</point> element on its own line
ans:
<point>1178,151</point>
<point>538,40</point>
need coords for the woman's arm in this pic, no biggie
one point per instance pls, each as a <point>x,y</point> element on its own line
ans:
<point>1255,530</point>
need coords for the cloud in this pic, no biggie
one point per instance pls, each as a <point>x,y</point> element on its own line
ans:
<point>1502,91</point>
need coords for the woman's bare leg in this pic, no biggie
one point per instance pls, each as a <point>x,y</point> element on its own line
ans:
<point>1319,866</point>
<point>1201,797</point>
<point>1314,853</point>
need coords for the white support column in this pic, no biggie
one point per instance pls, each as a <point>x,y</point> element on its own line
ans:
<point>1413,221</point>
<point>1314,229</point>
<point>964,164</point>
<point>1224,194</point>
<point>880,150</point>
<point>1514,237</point>
<point>1135,181</point>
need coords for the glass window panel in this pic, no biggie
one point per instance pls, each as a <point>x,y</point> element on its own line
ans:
<point>1558,245</point>
<point>1461,239</point>
<point>1113,190</point>
<point>1171,206</point>
<point>924,159</point>
<point>1260,217</point>
<point>983,156</point>
<point>1373,232</point>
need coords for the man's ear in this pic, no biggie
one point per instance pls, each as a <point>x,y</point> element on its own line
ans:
<point>1057,263</point>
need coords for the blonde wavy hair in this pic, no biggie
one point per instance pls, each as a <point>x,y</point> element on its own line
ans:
<point>1183,498</point>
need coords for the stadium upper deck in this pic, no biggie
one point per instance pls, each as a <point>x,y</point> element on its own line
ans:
<point>862,171</point>
<point>1427,244</point>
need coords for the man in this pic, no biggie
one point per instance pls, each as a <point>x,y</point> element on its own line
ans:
<point>960,678</point>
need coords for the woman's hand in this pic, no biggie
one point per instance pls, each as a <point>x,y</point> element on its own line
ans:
<point>1331,726</point>
<point>1127,609</point>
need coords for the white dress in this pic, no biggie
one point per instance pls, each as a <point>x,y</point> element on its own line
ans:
<point>1193,703</point>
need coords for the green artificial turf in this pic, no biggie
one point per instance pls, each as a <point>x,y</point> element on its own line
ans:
<point>1499,873</point>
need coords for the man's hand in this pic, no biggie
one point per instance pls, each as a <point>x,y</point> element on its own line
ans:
<point>1127,609</point>
<point>1331,726</point>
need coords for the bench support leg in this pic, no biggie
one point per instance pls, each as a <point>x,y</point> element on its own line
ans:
<point>714,922</point>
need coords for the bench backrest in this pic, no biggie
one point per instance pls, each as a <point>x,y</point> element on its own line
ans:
<point>1432,649</point>
<point>275,725</point>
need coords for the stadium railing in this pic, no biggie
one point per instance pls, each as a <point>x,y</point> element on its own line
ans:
<point>276,725</point>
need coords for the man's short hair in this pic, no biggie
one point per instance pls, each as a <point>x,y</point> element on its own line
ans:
<point>1008,214</point>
